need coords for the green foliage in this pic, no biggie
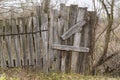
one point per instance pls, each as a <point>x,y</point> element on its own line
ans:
<point>3,77</point>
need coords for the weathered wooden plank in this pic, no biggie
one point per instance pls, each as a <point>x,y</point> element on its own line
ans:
<point>93,19</point>
<point>62,27</point>
<point>23,41</point>
<point>44,35</point>
<point>50,40</point>
<point>84,43</point>
<point>37,43</point>
<point>72,21</point>
<point>8,44</point>
<point>16,43</point>
<point>56,39</point>
<point>74,29</point>
<point>83,63</point>
<point>70,48</point>
<point>74,57</point>
<point>30,42</point>
<point>3,63</point>
<point>77,38</point>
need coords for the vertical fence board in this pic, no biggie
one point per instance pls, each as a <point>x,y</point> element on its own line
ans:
<point>8,45</point>
<point>2,42</point>
<point>56,40</point>
<point>2,53</point>
<point>72,21</point>
<point>30,41</point>
<point>92,27</point>
<point>84,43</point>
<point>23,41</point>
<point>16,43</point>
<point>44,26</point>
<point>37,43</point>
<point>50,40</point>
<point>77,38</point>
<point>62,27</point>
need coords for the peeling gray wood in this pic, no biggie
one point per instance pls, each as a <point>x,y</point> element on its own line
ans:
<point>76,28</point>
<point>50,41</point>
<point>3,63</point>
<point>30,40</point>
<point>56,39</point>
<point>84,43</point>
<point>8,45</point>
<point>77,39</point>
<point>70,48</point>
<point>72,21</point>
<point>63,27</point>
<point>23,41</point>
<point>44,35</point>
<point>37,43</point>
<point>16,43</point>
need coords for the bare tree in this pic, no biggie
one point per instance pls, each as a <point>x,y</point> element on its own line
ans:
<point>108,6</point>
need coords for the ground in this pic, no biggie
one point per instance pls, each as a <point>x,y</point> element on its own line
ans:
<point>25,74</point>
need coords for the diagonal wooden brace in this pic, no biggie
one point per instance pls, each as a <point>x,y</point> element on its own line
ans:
<point>76,28</point>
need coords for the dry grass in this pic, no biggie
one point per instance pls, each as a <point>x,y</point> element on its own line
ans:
<point>21,74</point>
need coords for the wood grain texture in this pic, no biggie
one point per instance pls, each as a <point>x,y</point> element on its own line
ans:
<point>44,35</point>
<point>30,42</point>
<point>74,29</point>
<point>77,39</point>
<point>56,40</point>
<point>8,44</point>
<point>2,48</point>
<point>70,48</point>
<point>37,43</point>
<point>72,21</point>
<point>16,43</point>
<point>23,41</point>
<point>63,20</point>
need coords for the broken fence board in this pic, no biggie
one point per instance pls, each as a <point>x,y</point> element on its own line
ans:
<point>76,28</point>
<point>70,48</point>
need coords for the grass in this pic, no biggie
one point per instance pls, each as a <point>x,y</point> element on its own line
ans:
<point>21,74</point>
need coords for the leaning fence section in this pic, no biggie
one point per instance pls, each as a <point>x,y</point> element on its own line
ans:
<point>62,43</point>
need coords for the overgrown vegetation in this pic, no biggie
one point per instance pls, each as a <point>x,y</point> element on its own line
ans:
<point>21,74</point>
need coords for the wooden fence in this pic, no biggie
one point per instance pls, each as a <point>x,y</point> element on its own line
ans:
<point>62,42</point>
